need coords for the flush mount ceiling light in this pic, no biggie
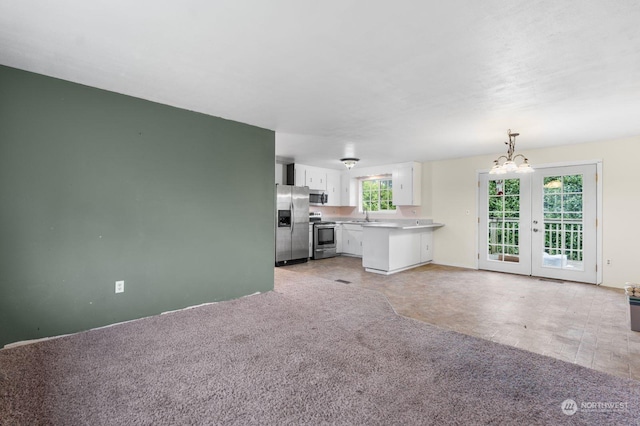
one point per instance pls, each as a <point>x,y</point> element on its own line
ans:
<point>509,165</point>
<point>349,162</point>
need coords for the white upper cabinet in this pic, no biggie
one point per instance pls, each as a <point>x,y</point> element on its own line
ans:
<point>349,190</point>
<point>313,177</point>
<point>316,178</point>
<point>342,186</point>
<point>407,188</point>
<point>333,188</point>
<point>299,174</point>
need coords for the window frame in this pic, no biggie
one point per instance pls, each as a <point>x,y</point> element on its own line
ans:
<point>361,201</point>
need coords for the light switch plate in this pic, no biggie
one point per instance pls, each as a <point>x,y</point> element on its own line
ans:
<point>119,286</point>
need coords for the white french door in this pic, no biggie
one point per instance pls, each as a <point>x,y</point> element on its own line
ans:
<point>542,224</point>
<point>564,223</point>
<point>505,212</point>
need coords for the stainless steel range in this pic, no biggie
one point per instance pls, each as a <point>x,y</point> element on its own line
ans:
<point>324,236</point>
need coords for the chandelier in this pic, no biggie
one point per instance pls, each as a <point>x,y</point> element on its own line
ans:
<point>509,165</point>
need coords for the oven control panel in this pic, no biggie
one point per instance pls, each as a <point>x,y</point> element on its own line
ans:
<point>315,216</point>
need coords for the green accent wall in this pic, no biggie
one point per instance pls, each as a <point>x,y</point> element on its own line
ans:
<point>97,187</point>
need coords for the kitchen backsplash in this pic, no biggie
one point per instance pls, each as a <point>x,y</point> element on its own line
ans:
<point>402,212</point>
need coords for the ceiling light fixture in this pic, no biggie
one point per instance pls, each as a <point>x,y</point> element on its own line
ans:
<point>509,164</point>
<point>349,162</point>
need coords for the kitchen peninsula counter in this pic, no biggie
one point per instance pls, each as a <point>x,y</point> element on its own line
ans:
<point>391,247</point>
<point>394,225</point>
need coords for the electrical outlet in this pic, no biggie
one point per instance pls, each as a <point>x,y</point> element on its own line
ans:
<point>608,261</point>
<point>119,286</point>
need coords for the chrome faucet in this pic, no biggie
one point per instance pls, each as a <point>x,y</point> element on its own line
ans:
<point>366,214</point>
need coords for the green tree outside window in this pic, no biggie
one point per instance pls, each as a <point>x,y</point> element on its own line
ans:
<point>377,195</point>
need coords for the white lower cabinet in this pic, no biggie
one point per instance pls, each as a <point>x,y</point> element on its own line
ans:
<point>352,239</point>
<point>339,238</point>
<point>426,246</point>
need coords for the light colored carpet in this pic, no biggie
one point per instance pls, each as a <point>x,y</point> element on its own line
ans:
<point>311,352</point>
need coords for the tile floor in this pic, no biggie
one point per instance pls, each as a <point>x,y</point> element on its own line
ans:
<point>579,323</point>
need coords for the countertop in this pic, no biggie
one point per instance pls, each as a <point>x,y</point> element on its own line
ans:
<point>390,224</point>
<point>401,225</point>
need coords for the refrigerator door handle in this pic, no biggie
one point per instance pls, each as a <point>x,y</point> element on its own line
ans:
<point>293,217</point>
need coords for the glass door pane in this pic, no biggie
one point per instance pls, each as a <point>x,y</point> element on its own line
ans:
<point>504,220</point>
<point>564,211</point>
<point>504,206</point>
<point>563,222</point>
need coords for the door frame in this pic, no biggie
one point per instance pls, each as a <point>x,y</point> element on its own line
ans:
<point>599,208</point>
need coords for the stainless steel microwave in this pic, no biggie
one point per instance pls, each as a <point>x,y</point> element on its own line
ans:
<point>318,198</point>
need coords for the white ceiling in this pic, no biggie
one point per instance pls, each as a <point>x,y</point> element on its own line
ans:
<point>380,80</point>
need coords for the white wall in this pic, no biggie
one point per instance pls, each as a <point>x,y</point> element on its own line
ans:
<point>453,191</point>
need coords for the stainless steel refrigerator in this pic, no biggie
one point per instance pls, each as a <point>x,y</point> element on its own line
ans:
<point>292,224</point>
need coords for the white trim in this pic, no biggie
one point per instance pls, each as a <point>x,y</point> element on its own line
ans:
<point>395,271</point>
<point>477,219</point>
<point>42,339</point>
<point>599,202</point>
<point>28,342</point>
<point>360,205</point>
<point>455,265</point>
